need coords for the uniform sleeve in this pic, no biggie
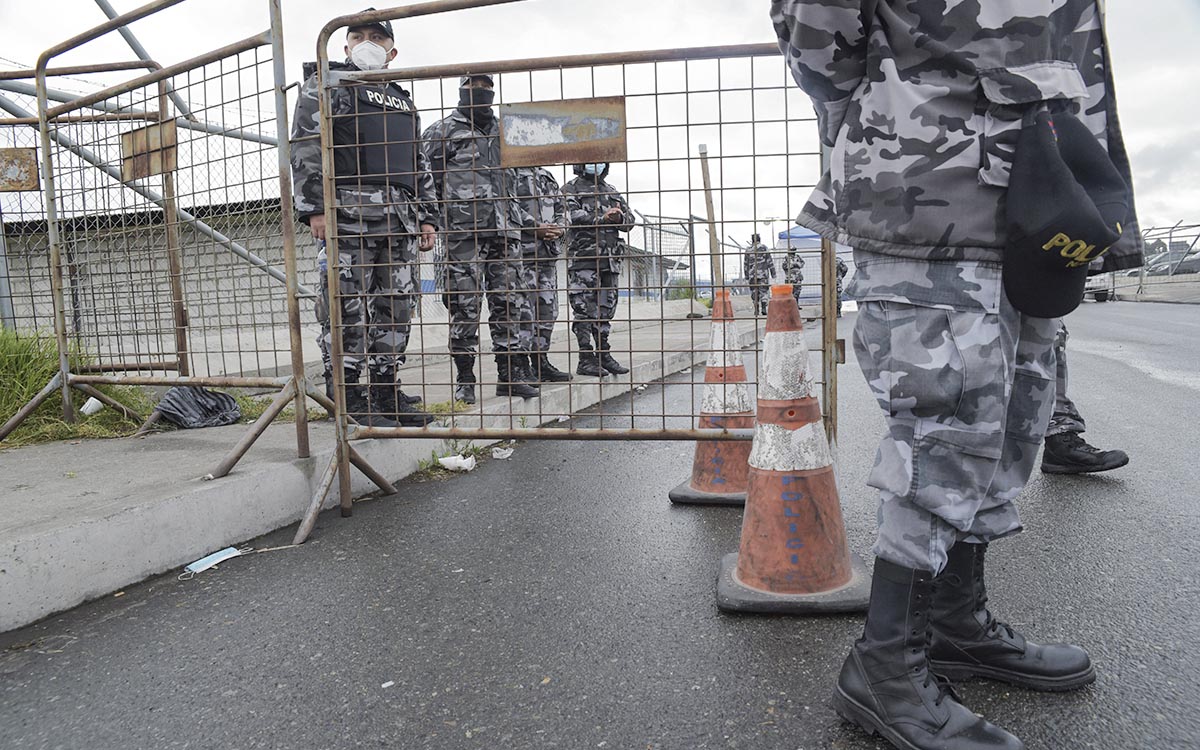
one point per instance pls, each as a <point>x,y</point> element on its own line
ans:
<point>524,219</point>
<point>747,266</point>
<point>771,264</point>
<point>551,192</point>
<point>579,212</point>
<point>426,192</point>
<point>627,214</point>
<point>307,186</point>
<point>433,149</point>
<point>825,45</point>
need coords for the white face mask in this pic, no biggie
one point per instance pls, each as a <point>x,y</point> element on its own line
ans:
<point>368,55</point>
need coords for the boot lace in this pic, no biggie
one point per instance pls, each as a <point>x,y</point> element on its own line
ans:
<point>992,626</point>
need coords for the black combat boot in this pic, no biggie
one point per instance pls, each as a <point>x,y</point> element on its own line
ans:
<point>1069,453</point>
<point>548,373</point>
<point>886,686</point>
<point>507,383</point>
<point>607,360</point>
<point>968,641</point>
<point>464,388</point>
<point>523,370</point>
<point>385,399</point>
<point>589,363</point>
<point>359,408</point>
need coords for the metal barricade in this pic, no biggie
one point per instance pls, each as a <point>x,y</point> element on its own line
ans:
<point>707,143</point>
<point>169,228</point>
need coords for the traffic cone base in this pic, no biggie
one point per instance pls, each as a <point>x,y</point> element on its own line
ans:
<point>793,557</point>
<point>719,472</point>
<point>735,596</point>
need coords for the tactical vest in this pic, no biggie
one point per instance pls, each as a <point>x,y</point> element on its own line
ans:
<point>384,127</point>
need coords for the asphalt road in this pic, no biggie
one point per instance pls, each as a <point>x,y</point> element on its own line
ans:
<point>557,600</point>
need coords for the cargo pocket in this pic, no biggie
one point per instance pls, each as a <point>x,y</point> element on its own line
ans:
<point>946,397</point>
<point>1011,93</point>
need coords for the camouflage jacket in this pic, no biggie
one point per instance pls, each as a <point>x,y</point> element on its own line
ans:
<point>593,242</point>
<point>922,101</point>
<point>758,265</point>
<point>474,192</point>
<point>307,183</point>
<point>793,269</point>
<point>542,199</point>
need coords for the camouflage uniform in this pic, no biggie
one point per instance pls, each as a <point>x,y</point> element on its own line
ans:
<point>758,268</point>
<point>482,231</point>
<point>594,253</point>
<point>541,197</point>
<point>793,273</point>
<point>380,207</point>
<point>922,142</point>
<point>1066,418</point>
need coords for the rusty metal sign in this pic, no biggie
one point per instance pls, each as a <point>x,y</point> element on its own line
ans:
<point>18,169</point>
<point>571,131</point>
<point>149,151</point>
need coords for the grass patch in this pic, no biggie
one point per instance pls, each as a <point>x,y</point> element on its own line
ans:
<point>443,408</point>
<point>252,407</point>
<point>28,360</point>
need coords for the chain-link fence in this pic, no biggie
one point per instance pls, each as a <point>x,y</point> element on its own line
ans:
<point>161,252</point>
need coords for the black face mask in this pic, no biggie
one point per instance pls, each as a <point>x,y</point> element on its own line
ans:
<point>476,103</point>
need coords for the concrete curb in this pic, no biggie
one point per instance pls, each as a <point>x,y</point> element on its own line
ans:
<point>48,567</point>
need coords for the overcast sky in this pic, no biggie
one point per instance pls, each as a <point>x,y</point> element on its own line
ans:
<point>1153,43</point>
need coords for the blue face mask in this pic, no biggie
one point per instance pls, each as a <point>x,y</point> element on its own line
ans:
<point>594,169</point>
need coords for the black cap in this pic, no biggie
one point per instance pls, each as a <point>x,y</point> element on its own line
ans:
<point>384,26</point>
<point>755,238</point>
<point>1066,206</point>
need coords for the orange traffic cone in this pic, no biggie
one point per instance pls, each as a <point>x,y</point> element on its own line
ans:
<point>719,468</point>
<point>793,557</point>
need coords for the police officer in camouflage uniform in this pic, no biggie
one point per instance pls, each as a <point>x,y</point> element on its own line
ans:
<point>758,268</point>
<point>483,225</point>
<point>793,272</point>
<point>597,214</point>
<point>385,213</point>
<point>920,102</point>
<point>541,198</point>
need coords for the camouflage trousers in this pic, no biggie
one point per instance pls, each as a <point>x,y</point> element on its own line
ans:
<point>1066,417</point>
<point>490,265</point>
<point>376,291</point>
<point>593,297</point>
<point>760,293</point>
<point>540,280</point>
<point>967,395</point>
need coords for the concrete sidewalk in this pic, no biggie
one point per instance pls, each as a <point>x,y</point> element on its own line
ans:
<point>82,519</point>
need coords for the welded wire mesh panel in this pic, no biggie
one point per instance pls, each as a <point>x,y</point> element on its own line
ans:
<point>169,225</point>
<point>607,277</point>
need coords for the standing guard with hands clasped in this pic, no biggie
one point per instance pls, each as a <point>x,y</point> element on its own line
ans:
<point>386,212</point>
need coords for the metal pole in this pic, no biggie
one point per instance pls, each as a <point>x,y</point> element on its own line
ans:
<point>199,126</point>
<point>174,260</point>
<point>288,231</point>
<point>714,244</point>
<point>141,52</point>
<point>328,172</point>
<point>196,224</point>
<point>56,280</point>
<point>829,326</point>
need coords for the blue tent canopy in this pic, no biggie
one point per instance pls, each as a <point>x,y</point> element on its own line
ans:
<point>800,238</point>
